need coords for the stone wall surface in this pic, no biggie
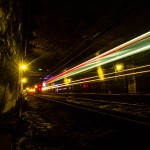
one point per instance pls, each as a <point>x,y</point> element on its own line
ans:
<point>11,51</point>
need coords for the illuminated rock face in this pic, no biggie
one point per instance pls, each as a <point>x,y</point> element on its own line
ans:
<point>11,37</point>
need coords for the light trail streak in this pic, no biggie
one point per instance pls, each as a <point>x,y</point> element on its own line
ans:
<point>129,74</point>
<point>87,79</point>
<point>128,49</point>
<point>130,69</point>
<point>108,59</point>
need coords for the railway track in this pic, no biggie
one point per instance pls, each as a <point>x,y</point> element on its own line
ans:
<point>58,123</point>
<point>132,112</point>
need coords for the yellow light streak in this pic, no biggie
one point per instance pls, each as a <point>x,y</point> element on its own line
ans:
<point>116,76</point>
<point>86,79</point>
<point>107,78</point>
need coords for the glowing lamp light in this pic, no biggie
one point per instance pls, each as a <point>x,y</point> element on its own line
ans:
<point>39,85</point>
<point>23,67</point>
<point>100,73</point>
<point>44,84</point>
<point>35,86</point>
<point>119,67</point>
<point>67,80</point>
<point>24,80</point>
<point>31,90</point>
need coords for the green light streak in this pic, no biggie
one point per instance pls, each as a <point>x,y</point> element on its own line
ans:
<point>136,48</point>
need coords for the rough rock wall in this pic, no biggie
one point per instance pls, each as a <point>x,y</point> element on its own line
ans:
<point>11,51</point>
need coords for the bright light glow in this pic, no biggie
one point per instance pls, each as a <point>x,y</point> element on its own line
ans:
<point>100,73</point>
<point>44,88</point>
<point>23,67</point>
<point>67,80</point>
<point>44,84</point>
<point>32,90</point>
<point>35,86</point>
<point>24,80</point>
<point>119,67</point>
<point>135,46</point>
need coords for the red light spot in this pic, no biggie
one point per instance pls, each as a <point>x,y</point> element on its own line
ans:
<point>39,89</point>
<point>39,85</point>
<point>85,86</point>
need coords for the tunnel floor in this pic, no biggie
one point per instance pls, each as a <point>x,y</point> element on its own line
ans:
<point>49,126</point>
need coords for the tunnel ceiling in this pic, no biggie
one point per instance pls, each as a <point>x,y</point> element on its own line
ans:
<point>60,34</point>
